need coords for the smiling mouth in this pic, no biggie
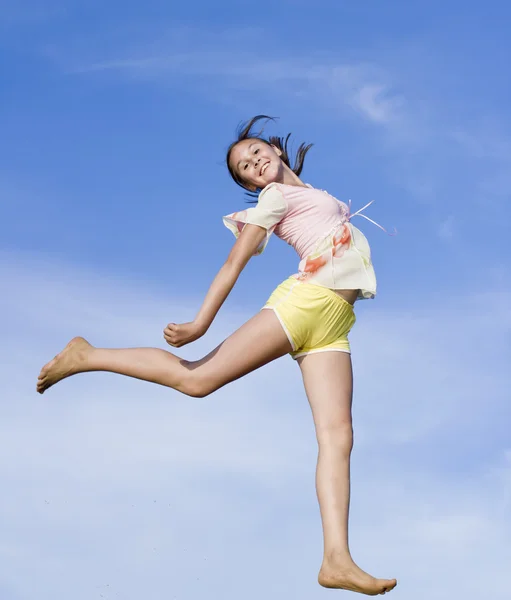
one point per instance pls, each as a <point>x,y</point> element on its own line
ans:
<point>263,168</point>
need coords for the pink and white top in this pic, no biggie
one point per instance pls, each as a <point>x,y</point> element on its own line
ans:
<point>333,253</point>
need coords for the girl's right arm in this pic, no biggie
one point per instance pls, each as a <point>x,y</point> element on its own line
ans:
<point>246,245</point>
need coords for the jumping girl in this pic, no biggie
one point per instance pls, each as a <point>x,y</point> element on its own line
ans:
<point>309,316</point>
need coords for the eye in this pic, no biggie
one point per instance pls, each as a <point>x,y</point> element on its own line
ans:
<point>256,151</point>
<point>245,167</point>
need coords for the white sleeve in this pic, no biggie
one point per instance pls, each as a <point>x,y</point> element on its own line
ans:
<point>269,211</point>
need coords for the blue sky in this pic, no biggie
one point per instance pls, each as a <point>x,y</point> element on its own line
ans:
<point>115,119</point>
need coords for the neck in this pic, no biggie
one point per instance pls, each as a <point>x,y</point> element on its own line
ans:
<point>290,178</point>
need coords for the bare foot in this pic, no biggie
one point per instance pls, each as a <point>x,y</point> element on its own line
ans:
<point>65,364</point>
<point>349,577</point>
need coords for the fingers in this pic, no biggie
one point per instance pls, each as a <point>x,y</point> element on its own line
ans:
<point>171,340</point>
<point>174,343</point>
<point>173,335</point>
<point>172,330</point>
<point>179,335</point>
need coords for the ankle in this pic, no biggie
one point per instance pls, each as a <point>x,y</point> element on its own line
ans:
<point>337,557</point>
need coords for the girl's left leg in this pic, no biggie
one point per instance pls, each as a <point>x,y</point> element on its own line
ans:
<point>328,383</point>
<point>259,341</point>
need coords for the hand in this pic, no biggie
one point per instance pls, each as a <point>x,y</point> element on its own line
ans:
<point>179,335</point>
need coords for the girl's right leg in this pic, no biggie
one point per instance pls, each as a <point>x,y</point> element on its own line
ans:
<point>259,341</point>
<point>329,385</point>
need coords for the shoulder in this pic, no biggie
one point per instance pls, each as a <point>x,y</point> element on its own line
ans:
<point>280,192</point>
<point>272,190</point>
<point>272,197</point>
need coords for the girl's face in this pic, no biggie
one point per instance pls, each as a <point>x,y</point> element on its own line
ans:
<point>256,163</point>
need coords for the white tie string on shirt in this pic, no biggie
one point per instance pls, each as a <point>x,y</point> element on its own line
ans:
<point>359,214</point>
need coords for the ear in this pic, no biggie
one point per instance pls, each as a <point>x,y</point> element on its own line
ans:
<point>278,151</point>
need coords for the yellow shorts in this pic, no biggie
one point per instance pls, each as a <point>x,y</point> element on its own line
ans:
<point>315,318</point>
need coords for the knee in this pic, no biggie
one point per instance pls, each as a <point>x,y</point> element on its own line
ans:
<point>338,436</point>
<point>196,386</point>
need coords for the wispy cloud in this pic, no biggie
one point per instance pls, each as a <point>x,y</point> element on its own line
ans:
<point>378,103</point>
<point>417,142</point>
<point>348,85</point>
<point>429,155</point>
<point>186,51</point>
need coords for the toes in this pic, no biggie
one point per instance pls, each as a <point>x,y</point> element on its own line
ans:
<point>44,371</point>
<point>42,384</point>
<point>389,588</point>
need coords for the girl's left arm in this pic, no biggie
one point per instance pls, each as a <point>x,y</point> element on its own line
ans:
<point>247,243</point>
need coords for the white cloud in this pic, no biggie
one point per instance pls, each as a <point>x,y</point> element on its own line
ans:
<point>418,142</point>
<point>377,103</point>
<point>118,489</point>
<point>418,138</point>
<point>185,52</point>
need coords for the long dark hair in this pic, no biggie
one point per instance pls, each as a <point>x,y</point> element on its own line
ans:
<point>245,133</point>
